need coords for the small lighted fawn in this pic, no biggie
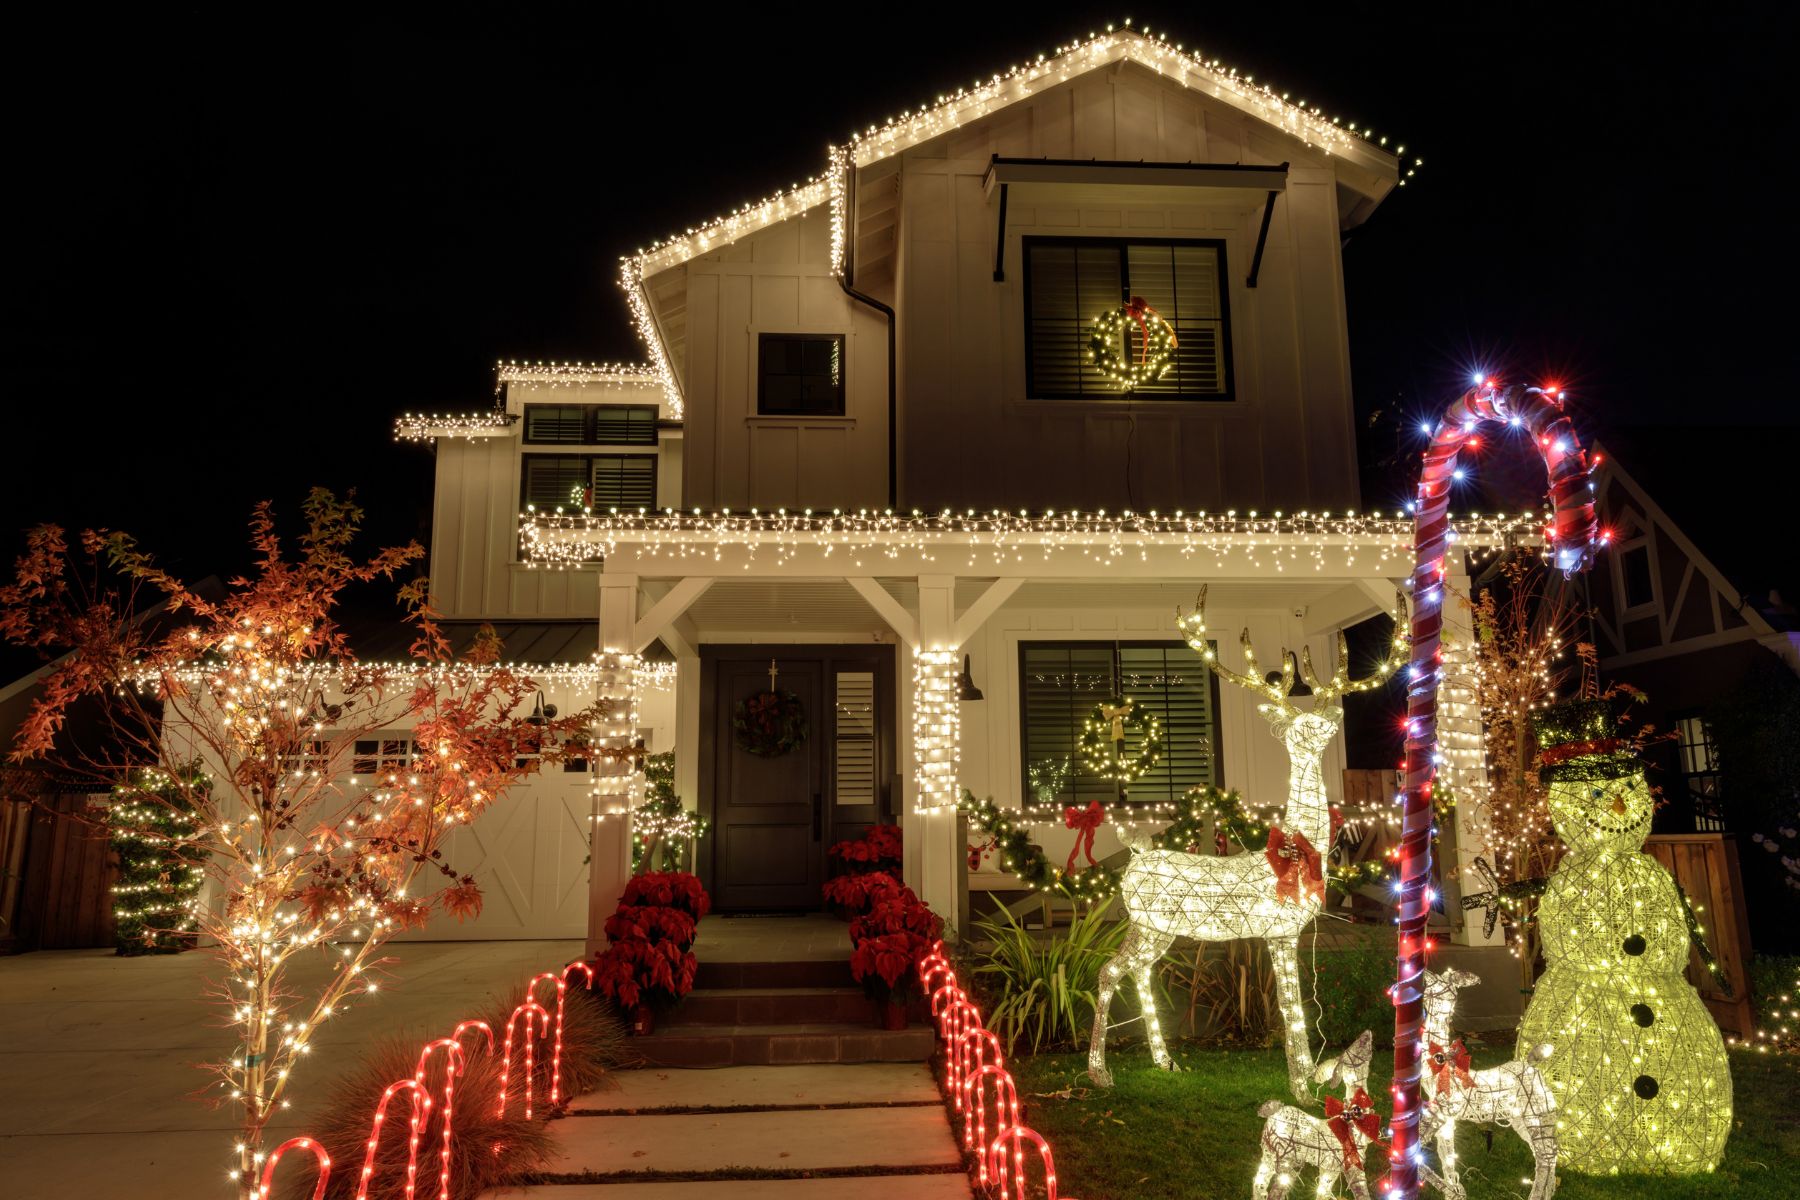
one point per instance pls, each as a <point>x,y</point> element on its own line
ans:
<point>1293,1139</point>
<point>1168,894</point>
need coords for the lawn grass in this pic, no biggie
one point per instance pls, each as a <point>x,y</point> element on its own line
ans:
<point>1194,1133</point>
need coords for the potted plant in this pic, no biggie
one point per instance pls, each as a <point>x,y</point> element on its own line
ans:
<point>648,963</point>
<point>889,940</point>
<point>851,896</point>
<point>875,853</point>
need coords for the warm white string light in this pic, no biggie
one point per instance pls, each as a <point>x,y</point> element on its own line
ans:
<point>428,427</point>
<point>937,729</point>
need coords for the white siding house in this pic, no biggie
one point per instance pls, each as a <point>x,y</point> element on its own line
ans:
<point>859,519</point>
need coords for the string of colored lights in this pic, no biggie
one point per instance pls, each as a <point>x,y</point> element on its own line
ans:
<point>1574,538</point>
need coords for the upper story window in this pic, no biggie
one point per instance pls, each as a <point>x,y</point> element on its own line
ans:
<point>602,481</point>
<point>1071,281</point>
<point>590,425</point>
<point>1061,682</point>
<point>800,374</point>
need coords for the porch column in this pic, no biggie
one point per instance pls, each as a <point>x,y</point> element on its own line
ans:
<point>1465,763</point>
<point>934,852</point>
<point>615,783</point>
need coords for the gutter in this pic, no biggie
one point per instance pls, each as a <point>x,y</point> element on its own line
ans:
<point>893,438</point>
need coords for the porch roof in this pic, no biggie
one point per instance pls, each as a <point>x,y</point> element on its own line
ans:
<point>996,544</point>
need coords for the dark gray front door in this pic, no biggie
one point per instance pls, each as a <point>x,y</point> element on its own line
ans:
<point>774,818</point>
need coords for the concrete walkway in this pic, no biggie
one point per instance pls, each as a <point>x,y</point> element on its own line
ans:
<point>862,1128</point>
<point>98,1054</point>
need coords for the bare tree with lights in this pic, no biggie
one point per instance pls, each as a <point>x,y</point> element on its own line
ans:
<point>260,688</point>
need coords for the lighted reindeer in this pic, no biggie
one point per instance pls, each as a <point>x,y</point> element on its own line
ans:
<point>1293,1140</point>
<point>1274,896</point>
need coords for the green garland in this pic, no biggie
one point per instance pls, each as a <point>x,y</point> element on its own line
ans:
<point>152,831</point>
<point>1105,757</point>
<point>1187,832</point>
<point>769,724</point>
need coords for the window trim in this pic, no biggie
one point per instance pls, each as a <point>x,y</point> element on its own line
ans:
<point>588,463</point>
<point>590,413</point>
<point>1653,606</point>
<point>1114,645</point>
<point>1028,241</point>
<point>756,374</point>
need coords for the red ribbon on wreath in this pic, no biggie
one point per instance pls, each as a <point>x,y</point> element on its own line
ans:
<point>1451,1066</point>
<point>1344,1119</point>
<point>1292,858</point>
<point>1137,310</point>
<point>1084,821</point>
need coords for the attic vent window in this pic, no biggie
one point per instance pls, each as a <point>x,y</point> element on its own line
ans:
<point>800,374</point>
<point>1071,281</point>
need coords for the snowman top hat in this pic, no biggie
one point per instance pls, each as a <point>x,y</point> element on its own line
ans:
<point>1579,739</point>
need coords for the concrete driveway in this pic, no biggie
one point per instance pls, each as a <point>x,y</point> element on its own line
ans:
<point>98,1054</point>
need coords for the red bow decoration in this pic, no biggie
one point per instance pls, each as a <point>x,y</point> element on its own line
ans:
<point>1291,856</point>
<point>1084,821</point>
<point>1137,310</point>
<point>1451,1066</point>
<point>1343,1118</point>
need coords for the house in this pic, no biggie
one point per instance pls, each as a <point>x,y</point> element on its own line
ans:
<point>870,464</point>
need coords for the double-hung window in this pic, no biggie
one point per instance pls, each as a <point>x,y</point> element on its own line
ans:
<point>1071,281</point>
<point>572,479</point>
<point>1061,682</point>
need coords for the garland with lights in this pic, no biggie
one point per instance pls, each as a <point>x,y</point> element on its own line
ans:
<point>1156,344</point>
<point>152,826</point>
<point>1104,735</point>
<point>769,724</point>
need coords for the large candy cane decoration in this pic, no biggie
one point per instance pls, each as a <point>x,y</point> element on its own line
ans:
<point>421,1115</point>
<point>531,1008</point>
<point>1573,536</point>
<point>299,1143</point>
<point>453,1061</point>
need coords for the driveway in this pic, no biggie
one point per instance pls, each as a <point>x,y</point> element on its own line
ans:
<point>98,1054</point>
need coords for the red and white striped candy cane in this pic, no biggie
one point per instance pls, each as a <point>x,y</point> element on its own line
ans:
<point>299,1143</point>
<point>453,1062</point>
<point>420,1116</point>
<point>1574,536</point>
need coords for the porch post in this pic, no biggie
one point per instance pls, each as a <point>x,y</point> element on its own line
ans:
<point>936,746</point>
<point>1465,763</point>
<point>615,783</point>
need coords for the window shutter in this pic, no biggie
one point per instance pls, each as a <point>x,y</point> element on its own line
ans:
<point>855,737</point>
<point>616,425</point>
<point>624,481</point>
<point>550,478</point>
<point>554,423</point>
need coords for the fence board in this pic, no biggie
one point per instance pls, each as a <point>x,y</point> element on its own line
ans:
<point>1706,867</point>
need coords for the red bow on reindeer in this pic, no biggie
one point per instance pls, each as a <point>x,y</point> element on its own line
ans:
<point>1292,858</point>
<point>1084,821</point>
<point>1137,310</point>
<point>1344,1119</point>
<point>1451,1066</point>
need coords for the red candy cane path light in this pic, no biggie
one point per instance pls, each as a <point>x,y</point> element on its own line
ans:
<point>1574,536</point>
<point>299,1143</point>
<point>529,1009</point>
<point>421,1113</point>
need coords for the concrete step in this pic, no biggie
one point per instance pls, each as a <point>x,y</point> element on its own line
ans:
<point>819,973</point>
<point>834,1084</point>
<point>775,1044</point>
<point>935,1186</point>
<point>897,1139</point>
<point>772,1006</point>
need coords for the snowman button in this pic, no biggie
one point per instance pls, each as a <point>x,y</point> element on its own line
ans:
<point>1636,945</point>
<point>1646,1087</point>
<point>1642,1015</point>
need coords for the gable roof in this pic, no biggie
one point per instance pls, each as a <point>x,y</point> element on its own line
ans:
<point>1210,77</point>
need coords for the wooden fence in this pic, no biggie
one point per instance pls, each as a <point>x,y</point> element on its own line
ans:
<point>59,875</point>
<point>1706,867</point>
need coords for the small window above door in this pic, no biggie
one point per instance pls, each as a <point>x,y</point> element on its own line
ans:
<point>800,374</point>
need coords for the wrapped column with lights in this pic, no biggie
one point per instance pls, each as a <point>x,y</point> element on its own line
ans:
<point>1574,536</point>
<point>615,789</point>
<point>937,729</point>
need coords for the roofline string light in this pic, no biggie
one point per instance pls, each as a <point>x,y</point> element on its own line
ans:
<point>1574,536</point>
<point>1170,60</point>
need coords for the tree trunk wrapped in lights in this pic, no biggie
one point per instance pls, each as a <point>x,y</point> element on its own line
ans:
<point>1639,1070</point>
<point>1273,896</point>
<point>1574,536</point>
<point>244,711</point>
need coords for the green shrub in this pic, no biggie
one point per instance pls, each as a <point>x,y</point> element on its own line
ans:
<point>1351,988</point>
<point>1045,990</point>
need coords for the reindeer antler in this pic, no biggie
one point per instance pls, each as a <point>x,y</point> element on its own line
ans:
<point>1340,683</point>
<point>1193,628</point>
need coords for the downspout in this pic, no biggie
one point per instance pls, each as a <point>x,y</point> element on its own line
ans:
<point>893,430</point>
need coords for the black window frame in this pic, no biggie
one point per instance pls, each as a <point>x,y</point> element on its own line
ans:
<point>1095,789</point>
<point>1704,787</point>
<point>588,461</point>
<point>1123,245</point>
<point>843,384</point>
<point>590,424</point>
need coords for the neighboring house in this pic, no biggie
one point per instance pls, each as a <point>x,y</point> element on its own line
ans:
<point>883,452</point>
<point>1670,622</point>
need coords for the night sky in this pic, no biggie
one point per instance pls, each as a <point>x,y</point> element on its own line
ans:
<point>242,252</point>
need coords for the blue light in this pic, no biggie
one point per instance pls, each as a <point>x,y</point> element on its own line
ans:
<point>1425,428</point>
<point>1477,377</point>
<point>1457,474</point>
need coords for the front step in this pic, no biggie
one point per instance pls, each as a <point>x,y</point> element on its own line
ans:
<point>773,1006</point>
<point>731,1045</point>
<point>819,973</point>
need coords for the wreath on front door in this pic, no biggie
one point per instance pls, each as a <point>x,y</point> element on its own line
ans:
<point>769,724</point>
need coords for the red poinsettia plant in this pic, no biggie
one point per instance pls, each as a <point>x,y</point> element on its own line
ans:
<point>636,972</point>
<point>889,940</point>
<point>668,889</point>
<point>856,894</point>
<point>651,923</point>
<point>899,911</point>
<point>877,850</point>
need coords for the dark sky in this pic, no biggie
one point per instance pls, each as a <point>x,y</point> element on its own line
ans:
<point>239,252</point>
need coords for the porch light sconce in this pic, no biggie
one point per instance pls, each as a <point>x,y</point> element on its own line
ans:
<point>967,685</point>
<point>541,713</point>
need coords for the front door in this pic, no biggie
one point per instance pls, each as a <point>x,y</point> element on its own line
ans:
<point>774,816</point>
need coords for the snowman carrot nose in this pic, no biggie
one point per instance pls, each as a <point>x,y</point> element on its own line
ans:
<point>1618,805</point>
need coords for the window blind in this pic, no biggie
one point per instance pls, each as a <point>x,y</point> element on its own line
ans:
<point>624,481</point>
<point>618,425</point>
<point>555,423</point>
<point>549,479</point>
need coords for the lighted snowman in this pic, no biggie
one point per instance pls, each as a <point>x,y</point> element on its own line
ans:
<point>1639,1070</point>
